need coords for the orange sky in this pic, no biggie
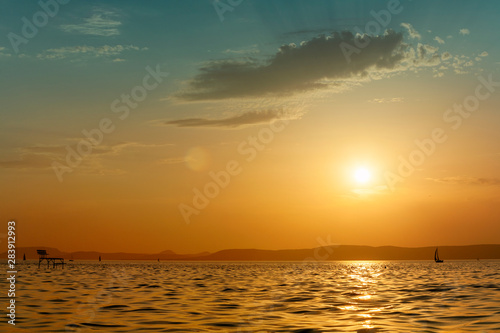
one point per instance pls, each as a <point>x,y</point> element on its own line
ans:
<point>288,143</point>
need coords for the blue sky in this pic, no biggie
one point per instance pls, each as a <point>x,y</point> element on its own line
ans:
<point>183,34</point>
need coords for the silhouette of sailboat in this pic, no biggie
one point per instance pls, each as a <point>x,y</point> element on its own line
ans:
<point>436,256</point>
<point>24,256</point>
<point>99,258</point>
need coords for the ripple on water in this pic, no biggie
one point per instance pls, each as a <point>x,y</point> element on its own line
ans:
<point>262,297</point>
<point>101,325</point>
<point>114,307</point>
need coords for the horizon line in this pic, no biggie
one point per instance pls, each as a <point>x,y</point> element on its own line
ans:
<point>258,249</point>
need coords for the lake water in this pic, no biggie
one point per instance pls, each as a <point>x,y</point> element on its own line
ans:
<point>257,297</point>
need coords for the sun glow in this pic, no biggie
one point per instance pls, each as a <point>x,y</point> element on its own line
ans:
<point>362,175</point>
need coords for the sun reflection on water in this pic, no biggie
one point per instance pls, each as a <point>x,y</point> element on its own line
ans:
<point>361,299</point>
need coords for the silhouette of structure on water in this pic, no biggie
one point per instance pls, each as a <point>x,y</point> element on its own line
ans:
<point>436,256</point>
<point>42,255</point>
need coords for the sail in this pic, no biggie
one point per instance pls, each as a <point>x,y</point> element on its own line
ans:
<point>436,256</point>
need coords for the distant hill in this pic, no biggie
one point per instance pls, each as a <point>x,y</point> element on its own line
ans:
<point>93,255</point>
<point>355,252</point>
<point>341,252</point>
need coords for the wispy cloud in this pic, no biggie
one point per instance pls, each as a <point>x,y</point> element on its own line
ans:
<point>4,52</point>
<point>101,23</point>
<point>252,49</point>
<point>411,31</point>
<point>462,64</point>
<point>172,160</point>
<point>387,100</point>
<point>367,193</point>
<point>439,40</point>
<point>87,51</point>
<point>41,157</point>
<point>464,32</point>
<point>466,180</point>
<point>445,56</point>
<point>247,118</point>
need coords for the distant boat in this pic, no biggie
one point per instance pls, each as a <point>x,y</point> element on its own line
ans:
<point>99,258</point>
<point>24,256</point>
<point>436,256</point>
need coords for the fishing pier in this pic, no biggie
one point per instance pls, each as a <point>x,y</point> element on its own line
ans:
<point>43,255</point>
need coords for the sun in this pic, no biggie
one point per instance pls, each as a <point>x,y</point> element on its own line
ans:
<point>362,175</point>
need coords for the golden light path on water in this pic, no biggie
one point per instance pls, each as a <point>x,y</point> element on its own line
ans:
<point>366,277</point>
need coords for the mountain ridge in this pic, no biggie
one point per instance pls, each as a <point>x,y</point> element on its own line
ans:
<point>324,253</point>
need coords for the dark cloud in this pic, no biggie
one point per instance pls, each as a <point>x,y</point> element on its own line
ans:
<point>466,180</point>
<point>247,118</point>
<point>298,68</point>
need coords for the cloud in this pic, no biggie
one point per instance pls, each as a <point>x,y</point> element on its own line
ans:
<point>27,161</point>
<point>101,23</point>
<point>466,180</point>
<point>295,69</point>
<point>411,31</point>
<point>424,49</point>
<point>246,50</point>
<point>445,56</point>
<point>387,100</point>
<point>332,63</point>
<point>173,160</point>
<point>439,40</point>
<point>461,64</point>
<point>4,52</point>
<point>41,157</point>
<point>367,193</point>
<point>481,56</point>
<point>464,32</point>
<point>87,51</point>
<point>425,55</point>
<point>247,118</point>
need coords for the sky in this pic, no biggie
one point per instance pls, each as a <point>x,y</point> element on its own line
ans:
<point>199,126</point>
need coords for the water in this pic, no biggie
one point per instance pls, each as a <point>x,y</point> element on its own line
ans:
<point>258,297</point>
